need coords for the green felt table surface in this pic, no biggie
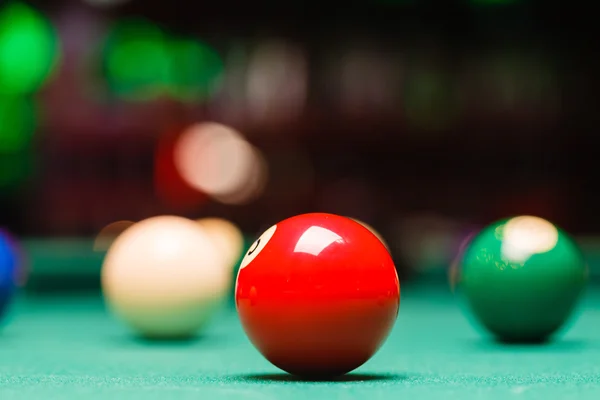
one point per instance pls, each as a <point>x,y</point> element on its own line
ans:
<point>70,347</point>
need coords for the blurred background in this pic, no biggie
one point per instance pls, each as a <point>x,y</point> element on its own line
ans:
<point>424,119</point>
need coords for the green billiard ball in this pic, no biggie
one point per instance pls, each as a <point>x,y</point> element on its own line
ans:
<point>522,278</point>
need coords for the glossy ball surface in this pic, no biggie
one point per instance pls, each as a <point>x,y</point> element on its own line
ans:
<point>317,294</point>
<point>521,278</point>
<point>164,277</point>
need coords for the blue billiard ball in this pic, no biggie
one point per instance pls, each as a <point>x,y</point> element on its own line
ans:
<point>8,271</point>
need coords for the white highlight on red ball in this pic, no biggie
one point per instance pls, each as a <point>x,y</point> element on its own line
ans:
<point>316,239</point>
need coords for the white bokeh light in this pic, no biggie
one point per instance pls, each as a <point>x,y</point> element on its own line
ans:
<point>217,160</point>
<point>277,77</point>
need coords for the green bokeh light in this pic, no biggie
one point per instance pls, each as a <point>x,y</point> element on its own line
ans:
<point>137,60</point>
<point>18,117</point>
<point>196,69</point>
<point>28,49</point>
<point>142,62</point>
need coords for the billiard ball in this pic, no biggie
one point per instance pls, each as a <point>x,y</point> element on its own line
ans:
<point>521,278</point>
<point>9,274</point>
<point>164,277</point>
<point>317,294</point>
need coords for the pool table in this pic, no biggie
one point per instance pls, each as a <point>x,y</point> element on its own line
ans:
<point>62,346</point>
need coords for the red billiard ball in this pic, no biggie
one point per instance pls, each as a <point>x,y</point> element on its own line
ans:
<point>317,294</point>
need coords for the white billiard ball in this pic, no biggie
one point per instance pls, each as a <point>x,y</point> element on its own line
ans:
<point>164,277</point>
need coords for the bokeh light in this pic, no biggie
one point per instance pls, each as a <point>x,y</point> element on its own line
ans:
<point>276,81</point>
<point>28,49</point>
<point>106,114</point>
<point>217,160</point>
<point>196,69</point>
<point>137,59</point>
<point>254,187</point>
<point>143,62</point>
